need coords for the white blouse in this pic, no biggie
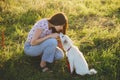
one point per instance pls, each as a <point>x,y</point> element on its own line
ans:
<point>41,24</point>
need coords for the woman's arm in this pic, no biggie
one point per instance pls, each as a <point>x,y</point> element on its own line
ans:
<point>36,40</point>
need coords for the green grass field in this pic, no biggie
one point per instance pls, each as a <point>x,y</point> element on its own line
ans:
<point>94,26</point>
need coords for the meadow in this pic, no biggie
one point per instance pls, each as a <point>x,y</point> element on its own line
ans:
<point>94,26</point>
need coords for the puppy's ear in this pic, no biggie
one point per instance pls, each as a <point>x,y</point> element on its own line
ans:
<point>65,41</point>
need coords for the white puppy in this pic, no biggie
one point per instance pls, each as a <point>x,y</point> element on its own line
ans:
<point>75,57</point>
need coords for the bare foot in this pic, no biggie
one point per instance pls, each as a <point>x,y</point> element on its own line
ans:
<point>42,64</point>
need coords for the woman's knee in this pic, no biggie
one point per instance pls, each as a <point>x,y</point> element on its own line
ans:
<point>59,55</point>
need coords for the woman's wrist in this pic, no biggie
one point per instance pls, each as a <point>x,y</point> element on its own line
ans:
<point>48,36</point>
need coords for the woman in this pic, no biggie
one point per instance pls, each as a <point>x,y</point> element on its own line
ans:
<point>43,39</point>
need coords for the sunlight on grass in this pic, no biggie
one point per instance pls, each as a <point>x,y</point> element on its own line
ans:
<point>94,26</point>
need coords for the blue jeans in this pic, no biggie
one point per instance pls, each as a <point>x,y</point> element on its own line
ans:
<point>48,49</point>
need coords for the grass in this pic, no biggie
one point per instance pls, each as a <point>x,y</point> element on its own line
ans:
<point>94,26</point>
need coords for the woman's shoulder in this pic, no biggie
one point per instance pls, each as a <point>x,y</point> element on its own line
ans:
<point>41,23</point>
<point>44,20</point>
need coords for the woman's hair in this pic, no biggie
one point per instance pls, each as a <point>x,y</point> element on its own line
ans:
<point>59,19</point>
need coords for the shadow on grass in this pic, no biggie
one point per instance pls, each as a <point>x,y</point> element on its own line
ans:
<point>104,55</point>
<point>27,68</point>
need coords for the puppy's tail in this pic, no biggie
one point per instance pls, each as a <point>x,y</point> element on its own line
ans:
<point>92,71</point>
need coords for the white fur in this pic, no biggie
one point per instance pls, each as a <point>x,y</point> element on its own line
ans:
<point>75,57</point>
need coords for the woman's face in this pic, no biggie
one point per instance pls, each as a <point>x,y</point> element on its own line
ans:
<point>59,28</point>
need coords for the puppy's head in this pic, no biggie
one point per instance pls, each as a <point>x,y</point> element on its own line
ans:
<point>65,39</point>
